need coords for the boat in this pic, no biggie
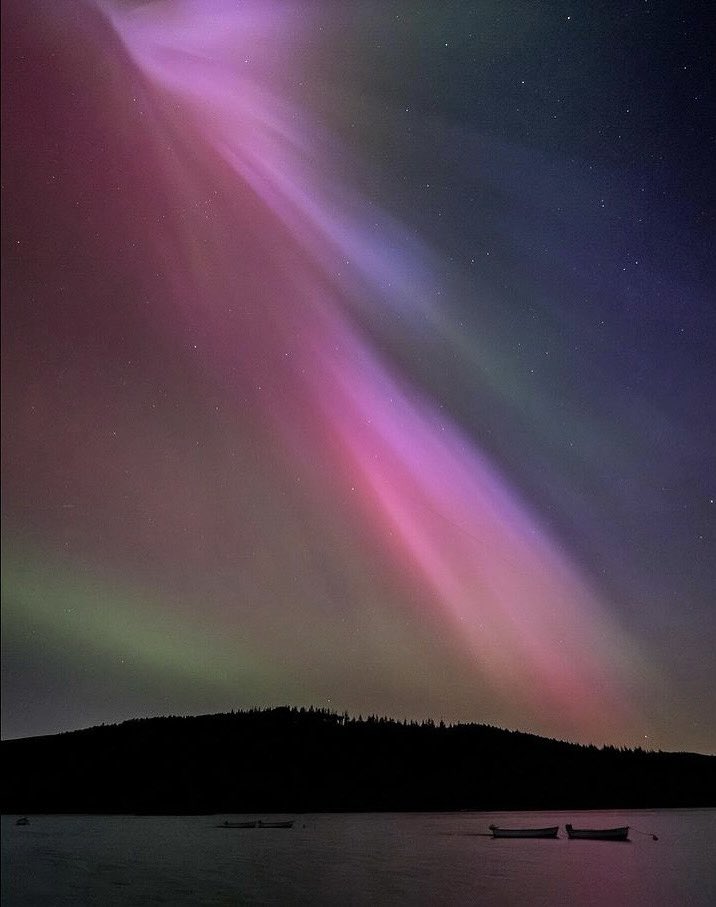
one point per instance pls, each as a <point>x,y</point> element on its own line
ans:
<point>23,821</point>
<point>598,834</point>
<point>257,824</point>
<point>548,832</point>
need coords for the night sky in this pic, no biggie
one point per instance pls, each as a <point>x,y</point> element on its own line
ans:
<point>361,355</point>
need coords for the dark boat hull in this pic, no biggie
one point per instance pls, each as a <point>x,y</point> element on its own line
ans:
<point>549,832</point>
<point>598,834</point>
<point>257,824</point>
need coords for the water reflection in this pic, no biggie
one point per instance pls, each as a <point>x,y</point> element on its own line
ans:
<point>417,859</point>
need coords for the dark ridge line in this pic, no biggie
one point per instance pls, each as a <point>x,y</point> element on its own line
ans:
<point>292,759</point>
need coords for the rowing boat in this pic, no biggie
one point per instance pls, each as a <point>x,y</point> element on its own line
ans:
<point>598,834</point>
<point>549,832</point>
<point>257,824</point>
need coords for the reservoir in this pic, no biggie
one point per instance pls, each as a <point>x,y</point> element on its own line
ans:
<point>359,859</point>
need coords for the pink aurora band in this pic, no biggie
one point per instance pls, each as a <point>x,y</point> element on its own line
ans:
<point>271,264</point>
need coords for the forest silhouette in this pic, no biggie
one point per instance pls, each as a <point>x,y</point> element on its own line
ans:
<point>313,760</point>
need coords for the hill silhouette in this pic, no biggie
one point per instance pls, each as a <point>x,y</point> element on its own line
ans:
<point>312,760</point>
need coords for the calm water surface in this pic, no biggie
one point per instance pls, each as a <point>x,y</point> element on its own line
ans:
<point>415,859</point>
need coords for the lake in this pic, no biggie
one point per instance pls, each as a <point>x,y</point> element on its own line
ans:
<point>356,859</point>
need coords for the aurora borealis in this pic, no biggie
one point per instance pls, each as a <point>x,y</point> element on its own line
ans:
<point>359,355</point>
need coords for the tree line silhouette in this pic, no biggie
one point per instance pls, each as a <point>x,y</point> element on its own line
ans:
<point>312,760</point>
